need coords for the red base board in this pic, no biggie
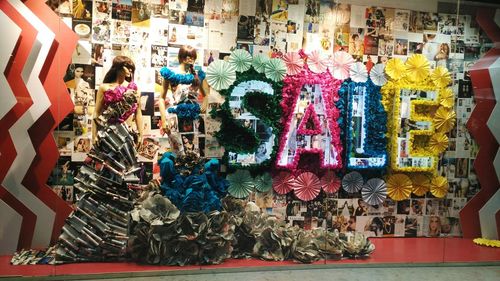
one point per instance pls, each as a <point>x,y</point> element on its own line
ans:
<point>388,251</point>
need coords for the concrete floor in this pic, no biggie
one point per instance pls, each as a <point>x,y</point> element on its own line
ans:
<point>442,273</point>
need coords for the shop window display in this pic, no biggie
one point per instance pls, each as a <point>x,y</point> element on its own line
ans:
<point>301,134</point>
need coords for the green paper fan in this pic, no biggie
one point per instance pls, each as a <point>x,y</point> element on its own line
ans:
<point>263,183</point>
<point>259,63</point>
<point>241,59</point>
<point>240,184</point>
<point>275,69</point>
<point>220,75</point>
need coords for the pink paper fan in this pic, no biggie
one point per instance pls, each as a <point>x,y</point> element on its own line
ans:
<point>341,65</point>
<point>307,186</point>
<point>294,63</point>
<point>283,182</point>
<point>316,62</point>
<point>330,183</point>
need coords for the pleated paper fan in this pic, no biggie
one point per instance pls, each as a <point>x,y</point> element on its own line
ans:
<point>377,74</point>
<point>240,184</point>
<point>317,62</point>
<point>417,67</point>
<point>294,63</point>
<point>374,191</point>
<point>358,72</point>
<point>283,182</point>
<point>438,143</point>
<point>399,187</point>
<point>395,68</point>
<point>352,182</point>
<point>421,184</point>
<point>264,182</point>
<point>441,77</point>
<point>444,119</point>
<point>220,75</point>
<point>330,183</point>
<point>241,59</point>
<point>275,69</point>
<point>259,63</point>
<point>446,98</point>
<point>439,186</point>
<point>307,186</point>
<point>341,64</point>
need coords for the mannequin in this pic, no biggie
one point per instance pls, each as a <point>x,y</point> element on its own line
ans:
<point>116,85</point>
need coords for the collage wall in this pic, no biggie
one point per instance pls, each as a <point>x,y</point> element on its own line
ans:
<point>152,31</point>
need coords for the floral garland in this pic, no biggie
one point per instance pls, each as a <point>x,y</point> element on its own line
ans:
<point>375,124</point>
<point>177,78</point>
<point>291,91</point>
<point>233,136</point>
<point>186,110</point>
<point>303,126</point>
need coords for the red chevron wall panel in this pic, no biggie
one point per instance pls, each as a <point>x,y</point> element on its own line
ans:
<point>35,50</point>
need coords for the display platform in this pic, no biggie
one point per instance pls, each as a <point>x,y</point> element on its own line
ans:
<point>390,252</point>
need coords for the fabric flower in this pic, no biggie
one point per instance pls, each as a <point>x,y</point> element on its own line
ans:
<point>158,210</point>
<point>358,72</point>
<point>439,187</point>
<point>421,184</point>
<point>241,59</point>
<point>395,68</point>
<point>444,119</point>
<point>441,77</point>
<point>275,69</point>
<point>294,63</point>
<point>438,143</point>
<point>417,67</point>
<point>221,74</point>
<point>399,187</point>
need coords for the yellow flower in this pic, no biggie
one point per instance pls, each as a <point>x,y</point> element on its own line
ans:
<point>446,98</point>
<point>441,77</point>
<point>395,68</point>
<point>444,119</point>
<point>421,184</point>
<point>399,187</point>
<point>417,67</point>
<point>439,186</point>
<point>438,143</point>
<point>487,242</point>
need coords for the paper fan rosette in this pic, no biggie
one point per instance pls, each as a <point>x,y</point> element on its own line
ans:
<point>358,72</point>
<point>441,77</point>
<point>377,74</point>
<point>275,69</point>
<point>283,182</point>
<point>316,62</point>
<point>240,184</point>
<point>263,183</point>
<point>241,59</point>
<point>294,63</point>
<point>307,186</point>
<point>341,64</point>
<point>395,68</point>
<point>399,187</point>
<point>330,183</point>
<point>259,63</point>
<point>421,184</point>
<point>438,143</point>
<point>374,191</point>
<point>417,67</point>
<point>444,119</point>
<point>446,98</point>
<point>220,75</point>
<point>352,182</point>
<point>439,186</point>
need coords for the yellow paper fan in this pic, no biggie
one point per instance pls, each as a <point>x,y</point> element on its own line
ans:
<point>444,119</point>
<point>438,143</point>
<point>487,242</point>
<point>395,68</point>
<point>446,98</point>
<point>421,184</point>
<point>399,187</point>
<point>441,77</point>
<point>417,67</point>
<point>439,186</point>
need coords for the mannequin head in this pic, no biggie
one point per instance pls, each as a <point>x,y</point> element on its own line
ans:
<point>123,68</point>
